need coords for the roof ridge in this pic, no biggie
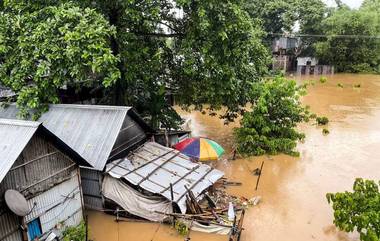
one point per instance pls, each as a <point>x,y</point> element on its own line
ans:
<point>15,122</point>
<point>100,107</point>
<point>81,106</point>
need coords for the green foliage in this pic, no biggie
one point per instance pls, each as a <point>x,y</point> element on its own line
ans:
<point>325,131</point>
<point>358,210</point>
<point>271,126</point>
<point>323,79</point>
<point>43,50</point>
<point>351,54</point>
<point>280,17</point>
<point>340,85</point>
<point>77,233</point>
<point>181,227</point>
<point>132,50</point>
<point>322,120</point>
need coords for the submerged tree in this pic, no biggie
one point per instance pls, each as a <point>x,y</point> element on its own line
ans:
<point>358,210</point>
<point>205,52</point>
<point>270,127</point>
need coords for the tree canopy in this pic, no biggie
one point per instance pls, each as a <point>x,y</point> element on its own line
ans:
<point>358,210</point>
<point>44,50</point>
<point>205,52</point>
<point>357,49</point>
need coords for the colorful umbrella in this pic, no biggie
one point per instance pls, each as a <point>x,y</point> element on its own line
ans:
<point>200,148</point>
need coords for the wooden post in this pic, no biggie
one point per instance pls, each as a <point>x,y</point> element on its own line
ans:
<point>86,223</point>
<point>258,178</point>
<point>172,200</point>
<point>24,228</point>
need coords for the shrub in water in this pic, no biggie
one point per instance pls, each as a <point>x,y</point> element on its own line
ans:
<point>270,128</point>
<point>322,120</point>
<point>323,80</point>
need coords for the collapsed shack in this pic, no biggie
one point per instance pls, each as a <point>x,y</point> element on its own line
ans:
<point>160,184</point>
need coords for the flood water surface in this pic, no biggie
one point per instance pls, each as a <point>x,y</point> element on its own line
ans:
<point>293,190</point>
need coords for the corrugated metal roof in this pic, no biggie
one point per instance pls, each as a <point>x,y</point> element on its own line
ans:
<point>14,136</point>
<point>90,130</point>
<point>6,92</point>
<point>154,167</point>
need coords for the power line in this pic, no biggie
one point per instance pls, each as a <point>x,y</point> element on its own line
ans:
<point>325,36</point>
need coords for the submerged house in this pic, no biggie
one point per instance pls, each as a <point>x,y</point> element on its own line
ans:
<point>283,50</point>
<point>311,66</point>
<point>98,134</point>
<point>45,171</point>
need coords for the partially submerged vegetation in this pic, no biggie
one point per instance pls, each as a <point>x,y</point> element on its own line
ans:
<point>322,120</point>
<point>323,79</point>
<point>271,126</point>
<point>77,233</point>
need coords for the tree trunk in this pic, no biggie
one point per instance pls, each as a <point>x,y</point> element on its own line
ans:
<point>119,87</point>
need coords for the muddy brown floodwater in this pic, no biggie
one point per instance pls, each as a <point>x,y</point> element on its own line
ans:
<point>293,190</point>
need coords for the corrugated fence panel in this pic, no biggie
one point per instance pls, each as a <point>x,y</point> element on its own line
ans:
<point>62,203</point>
<point>91,186</point>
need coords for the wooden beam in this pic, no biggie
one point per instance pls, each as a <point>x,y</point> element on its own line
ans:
<point>33,160</point>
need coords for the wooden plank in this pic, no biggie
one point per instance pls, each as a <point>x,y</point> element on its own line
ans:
<point>36,159</point>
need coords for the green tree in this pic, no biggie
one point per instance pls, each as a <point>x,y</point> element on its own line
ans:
<point>358,210</point>
<point>281,16</point>
<point>270,127</point>
<point>359,49</point>
<point>43,50</point>
<point>205,52</point>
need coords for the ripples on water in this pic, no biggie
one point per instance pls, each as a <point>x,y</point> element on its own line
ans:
<point>293,190</point>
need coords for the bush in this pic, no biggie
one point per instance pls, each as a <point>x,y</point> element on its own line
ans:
<point>325,131</point>
<point>181,228</point>
<point>77,233</point>
<point>340,85</point>
<point>270,128</point>
<point>323,80</point>
<point>322,120</point>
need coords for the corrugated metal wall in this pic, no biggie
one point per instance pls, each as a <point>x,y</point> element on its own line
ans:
<point>91,186</point>
<point>61,203</point>
<point>43,175</point>
<point>9,224</point>
<point>131,134</point>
